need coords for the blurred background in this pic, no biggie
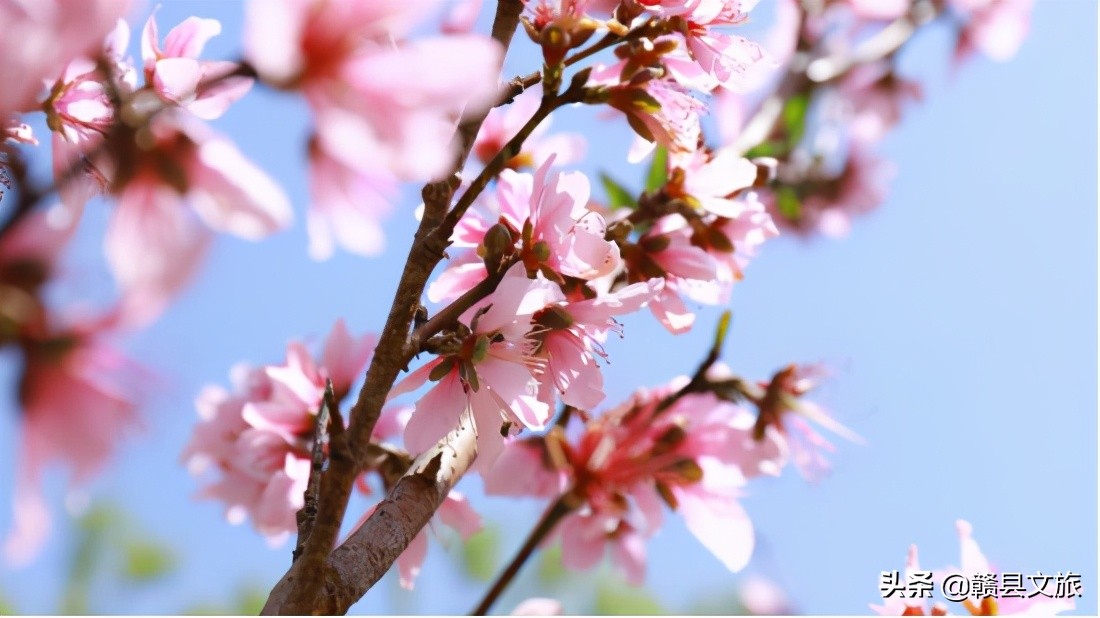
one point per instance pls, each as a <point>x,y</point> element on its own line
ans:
<point>959,322</point>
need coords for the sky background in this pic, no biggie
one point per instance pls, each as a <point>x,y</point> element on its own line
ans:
<point>959,320</point>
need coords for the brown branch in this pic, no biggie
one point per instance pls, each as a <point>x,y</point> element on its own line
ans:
<point>517,85</point>
<point>307,587</point>
<point>367,554</point>
<point>308,513</point>
<point>450,314</point>
<point>699,381</point>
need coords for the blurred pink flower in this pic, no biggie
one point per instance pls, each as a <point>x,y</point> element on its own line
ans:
<point>386,108</point>
<point>50,34</point>
<point>206,88</point>
<point>348,201</point>
<point>154,244</point>
<point>78,399</point>
<point>995,28</point>
<point>503,123</point>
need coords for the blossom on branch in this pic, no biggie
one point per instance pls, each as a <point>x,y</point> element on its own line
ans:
<point>258,438</point>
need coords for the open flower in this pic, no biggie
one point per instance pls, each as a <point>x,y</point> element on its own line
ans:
<point>206,88</point>
<point>258,437</point>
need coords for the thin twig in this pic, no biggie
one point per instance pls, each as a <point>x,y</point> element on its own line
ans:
<point>307,514</point>
<point>546,524</point>
<point>699,381</point>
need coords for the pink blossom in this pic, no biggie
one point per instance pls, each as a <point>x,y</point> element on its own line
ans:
<point>78,399</point>
<point>972,561</point>
<point>503,123</point>
<point>347,203</point>
<point>206,88</point>
<point>489,377</point>
<point>661,111</point>
<point>258,436</point>
<point>726,58</point>
<point>564,237</point>
<point>80,114</point>
<point>832,200</point>
<point>570,337</point>
<point>50,34</point>
<point>996,28</point>
<point>783,416</point>
<point>154,243</point>
<point>711,179</point>
<point>407,96</point>
<point>876,95</point>
<point>694,455</point>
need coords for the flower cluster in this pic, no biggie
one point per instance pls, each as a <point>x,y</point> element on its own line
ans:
<point>258,437</point>
<point>385,105</point>
<point>693,452</point>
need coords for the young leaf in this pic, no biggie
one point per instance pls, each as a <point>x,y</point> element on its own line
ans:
<point>658,170</point>
<point>790,206</point>
<point>794,117</point>
<point>618,196</point>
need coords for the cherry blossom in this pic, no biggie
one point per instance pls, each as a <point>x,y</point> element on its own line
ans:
<point>995,28</point>
<point>386,107</point>
<point>488,371</point>
<point>188,174</point>
<point>78,395</point>
<point>258,437</point>
<point>694,454</point>
<point>51,34</point>
<point>547,218</point>
<point>503,123</point>
<point>205,88</point>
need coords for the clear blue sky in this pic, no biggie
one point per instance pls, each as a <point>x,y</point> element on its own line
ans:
<point>960,319</point>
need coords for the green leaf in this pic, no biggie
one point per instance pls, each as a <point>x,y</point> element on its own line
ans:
<point>620,599</point>
<point>790,206</point>
<point>6,607</point>
<point>481,554</point>
<point>658,170</point>
<point>770,148</point>
<point>145,561</point>
<point>794,117</point>
<point>551,570</point>
<point>618,196</point>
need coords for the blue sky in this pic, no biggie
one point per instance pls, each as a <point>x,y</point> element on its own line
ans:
<point>959,318</point>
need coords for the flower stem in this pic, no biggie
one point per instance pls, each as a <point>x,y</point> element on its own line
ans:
<point>550,518</point>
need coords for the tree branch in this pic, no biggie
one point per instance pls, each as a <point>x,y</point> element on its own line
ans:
<point>308,586</point>
<point>367,554</point>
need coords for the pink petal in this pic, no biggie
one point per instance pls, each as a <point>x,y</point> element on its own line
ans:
<point>188,38</point>
<point>720,524</point>
<point>176,79</point>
